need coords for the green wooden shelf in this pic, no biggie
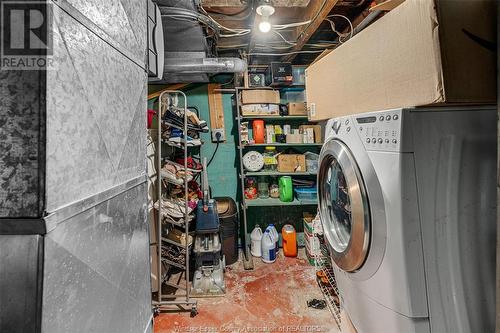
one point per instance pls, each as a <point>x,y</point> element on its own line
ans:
<point>277,202</point>
<point>276,117</point>
<point>281,145</point>
<point>276,173</point>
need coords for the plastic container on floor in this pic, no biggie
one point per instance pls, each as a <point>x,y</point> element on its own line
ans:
<point>275,235</point>
<point>268,248</point>
<point>306,193</point>
<point>256,245</point>
<point>289,237</point>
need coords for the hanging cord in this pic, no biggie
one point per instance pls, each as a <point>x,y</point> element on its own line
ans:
<point>217,135</point>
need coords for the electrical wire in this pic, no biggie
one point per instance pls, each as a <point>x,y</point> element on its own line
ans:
<point>284,39</point>
<point>340,34</point>
<point>314,19</point>
<point>215,152</point>
<point>289,25</point>
<point>282,54</point>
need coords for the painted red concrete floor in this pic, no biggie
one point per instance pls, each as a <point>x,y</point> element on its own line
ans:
<point>270,298</point>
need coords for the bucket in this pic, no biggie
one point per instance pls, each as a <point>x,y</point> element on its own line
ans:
<point>256,238</point>
<point>268,248</point>
<point>228,220</point>
<point>289,237</point>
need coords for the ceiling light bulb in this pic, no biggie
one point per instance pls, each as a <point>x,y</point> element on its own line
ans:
<point>265,26</point>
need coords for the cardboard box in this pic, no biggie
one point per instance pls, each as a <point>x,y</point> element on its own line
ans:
<point>317,132</point>
<point>420,53</point>
<point>291,163</point>
<point>260,96</point>
<point>293,138</point>
<point>260,109</point>
<point>297,109</point>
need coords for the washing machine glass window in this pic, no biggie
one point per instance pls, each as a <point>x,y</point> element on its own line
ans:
<point>344,206</point>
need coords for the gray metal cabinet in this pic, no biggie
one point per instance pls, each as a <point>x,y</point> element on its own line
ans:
<point>73,192</point>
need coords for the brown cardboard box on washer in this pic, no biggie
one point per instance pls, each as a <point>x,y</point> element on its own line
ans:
<point>291,163</point>
<point>423,52</point>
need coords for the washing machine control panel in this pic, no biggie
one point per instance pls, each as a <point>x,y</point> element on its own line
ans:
<point>379,130</point>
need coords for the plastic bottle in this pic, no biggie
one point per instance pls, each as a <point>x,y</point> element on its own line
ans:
<point>289,237</point>
<point>275,235</point>
<point>256,237</point>
<point>268,248</point>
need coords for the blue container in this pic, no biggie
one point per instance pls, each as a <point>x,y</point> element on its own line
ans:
<point>306,193</point>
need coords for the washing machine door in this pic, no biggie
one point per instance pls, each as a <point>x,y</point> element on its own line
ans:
<point>343,204</point>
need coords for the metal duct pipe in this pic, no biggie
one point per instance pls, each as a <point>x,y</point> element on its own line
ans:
<point>204,65</point>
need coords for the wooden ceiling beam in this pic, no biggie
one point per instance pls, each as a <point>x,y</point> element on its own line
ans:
<point>317,11</point>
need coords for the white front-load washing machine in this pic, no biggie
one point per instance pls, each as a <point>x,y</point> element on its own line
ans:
<point>407,199</point>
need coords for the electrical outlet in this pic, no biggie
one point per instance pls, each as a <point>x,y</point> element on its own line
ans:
<point>222,135</point>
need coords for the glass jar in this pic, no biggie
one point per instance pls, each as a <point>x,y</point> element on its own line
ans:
<point>270,160</point>
<point>263,187</point>
<point>250,188</point>
<point>274,189</point>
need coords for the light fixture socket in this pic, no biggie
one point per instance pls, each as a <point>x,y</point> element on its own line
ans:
<point>265,10</point>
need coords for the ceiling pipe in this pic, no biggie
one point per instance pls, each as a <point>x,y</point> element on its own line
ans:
<point>204,65</point>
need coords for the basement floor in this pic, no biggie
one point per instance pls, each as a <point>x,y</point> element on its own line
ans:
<point>270,298</point>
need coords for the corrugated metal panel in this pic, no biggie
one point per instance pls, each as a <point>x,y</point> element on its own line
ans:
<point>124,21</point>
<point>96,119</point>
<point>21,143</point>
<point>97,273</point>
<point>20,283</point>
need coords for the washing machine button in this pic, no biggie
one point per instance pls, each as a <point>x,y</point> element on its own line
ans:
<point>394,141</point>
<point>347,122</point>
<point>388,117</point>
<point>380,140</point>
<point>368,140</point>
<point>386,140</point>
<point>374,140</point>
<point>381,118</point>
<point>395,117</point>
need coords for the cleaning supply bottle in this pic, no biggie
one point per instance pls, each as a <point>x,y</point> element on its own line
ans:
<point>286,189</point>
<point>256,237</point>
<point>275,235</point>
<point>289,237</point>
<point>268,248</point>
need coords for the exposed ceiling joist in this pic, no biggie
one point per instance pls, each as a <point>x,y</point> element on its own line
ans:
<point>317,11</point>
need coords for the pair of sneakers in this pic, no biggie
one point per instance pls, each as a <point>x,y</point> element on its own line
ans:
<point>174,208</point>
<point>174,173</point>
<point>176,137</point>
<point>175,116</point>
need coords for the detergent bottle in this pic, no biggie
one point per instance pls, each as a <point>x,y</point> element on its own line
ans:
<point>268,248</point>
<point>275,236</point>
<point>256,238</point>
<point>289,237</point>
